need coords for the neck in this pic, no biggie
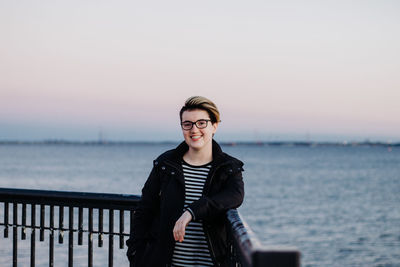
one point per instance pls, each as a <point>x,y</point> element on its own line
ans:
<point>198,157</point>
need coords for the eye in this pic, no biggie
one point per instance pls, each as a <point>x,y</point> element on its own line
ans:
<point>186,124</point>
<point>202,123</point>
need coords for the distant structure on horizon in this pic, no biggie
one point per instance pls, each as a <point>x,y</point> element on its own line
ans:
<point>101,139</point>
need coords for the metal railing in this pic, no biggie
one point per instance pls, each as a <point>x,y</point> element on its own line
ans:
<point>244,248</point>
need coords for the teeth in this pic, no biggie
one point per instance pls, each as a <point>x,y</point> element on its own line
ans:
<point>196,137</point>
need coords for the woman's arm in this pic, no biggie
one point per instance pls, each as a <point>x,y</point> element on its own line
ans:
<point>231,196</point>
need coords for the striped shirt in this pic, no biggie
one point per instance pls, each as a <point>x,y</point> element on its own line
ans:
<point>194,250</point>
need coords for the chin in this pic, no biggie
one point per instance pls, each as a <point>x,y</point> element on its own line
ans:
<point>196,145</point>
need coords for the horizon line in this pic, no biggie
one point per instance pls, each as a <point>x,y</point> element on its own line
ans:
<point>225,143</point>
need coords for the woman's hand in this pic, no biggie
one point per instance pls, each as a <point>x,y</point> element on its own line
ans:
<point>180,226</point>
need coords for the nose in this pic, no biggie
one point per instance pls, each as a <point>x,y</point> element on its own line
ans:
<point>194,128</point>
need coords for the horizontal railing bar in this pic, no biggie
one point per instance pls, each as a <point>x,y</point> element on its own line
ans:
<point>75,205</point>
<point>65,198</point>
<point>65,229</point>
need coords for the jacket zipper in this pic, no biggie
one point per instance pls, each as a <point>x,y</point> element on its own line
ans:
<point>206,230</point>
<point>211,247</point>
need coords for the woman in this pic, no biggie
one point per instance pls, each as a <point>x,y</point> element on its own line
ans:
<point>180,219</point>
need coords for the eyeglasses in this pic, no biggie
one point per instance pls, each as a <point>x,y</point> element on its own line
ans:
<point>200,124</point>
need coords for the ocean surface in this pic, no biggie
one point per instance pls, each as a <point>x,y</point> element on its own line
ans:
<point>340,206</point>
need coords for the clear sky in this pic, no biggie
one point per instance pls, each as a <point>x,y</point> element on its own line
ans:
<point>277,70</point>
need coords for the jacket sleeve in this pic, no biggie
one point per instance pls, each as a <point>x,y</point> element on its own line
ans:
<point>230,197</point>
<point>144,215</point>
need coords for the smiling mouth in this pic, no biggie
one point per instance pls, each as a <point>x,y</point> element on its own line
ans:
<point>196,137</point>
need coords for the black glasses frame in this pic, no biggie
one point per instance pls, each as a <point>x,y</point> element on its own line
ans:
<point>195,123</point>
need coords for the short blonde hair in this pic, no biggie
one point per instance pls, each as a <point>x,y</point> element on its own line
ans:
<point>200,102</point>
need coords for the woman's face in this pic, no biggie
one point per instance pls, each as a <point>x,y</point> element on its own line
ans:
<point>196,138</point>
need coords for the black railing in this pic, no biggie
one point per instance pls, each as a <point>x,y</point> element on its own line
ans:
<point>244,248</point>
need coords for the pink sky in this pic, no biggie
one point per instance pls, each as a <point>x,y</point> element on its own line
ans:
<point>280,69</point>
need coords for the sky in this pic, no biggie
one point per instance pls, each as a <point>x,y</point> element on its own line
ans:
<point>277,70</point>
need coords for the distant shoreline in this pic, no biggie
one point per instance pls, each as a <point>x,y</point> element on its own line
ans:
<point>238,143</point>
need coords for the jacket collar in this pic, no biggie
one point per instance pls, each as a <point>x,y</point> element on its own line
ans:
<point>181,149</point>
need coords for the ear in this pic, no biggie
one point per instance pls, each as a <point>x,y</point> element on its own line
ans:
<point>215,127</point>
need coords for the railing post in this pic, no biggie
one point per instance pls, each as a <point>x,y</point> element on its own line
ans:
<point>71,237</point>
<point>90,238</point>
<point>100,241</point>
<point>51,237</point>
<point>61,224</point>
<point>111,238</point>
<point>6,219</point>
<point>33,235</point>
<point>121,228</point>
<point>23,228</point>
<point>131,217</point>
<point>80,226</point>
<point>42,218</point>
<point>15,235</point>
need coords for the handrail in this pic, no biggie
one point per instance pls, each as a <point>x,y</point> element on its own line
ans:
<point>244,247</point>
<point>251,252</point>
<point>77,199</point>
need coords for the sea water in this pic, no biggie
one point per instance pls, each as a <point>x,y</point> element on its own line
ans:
<point>340,206</point>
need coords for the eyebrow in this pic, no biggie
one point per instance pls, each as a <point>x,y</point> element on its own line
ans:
<point>197,120</point>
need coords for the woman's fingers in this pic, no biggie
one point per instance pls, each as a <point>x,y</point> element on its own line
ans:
<point>180,226</point>
<point>179,231</point>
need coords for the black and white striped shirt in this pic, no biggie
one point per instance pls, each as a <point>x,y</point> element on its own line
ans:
<point>194,250</point>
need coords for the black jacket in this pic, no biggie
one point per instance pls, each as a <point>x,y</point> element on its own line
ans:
<point>151,242</point>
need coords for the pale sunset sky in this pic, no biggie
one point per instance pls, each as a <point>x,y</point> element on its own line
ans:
<point>277,70</point>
